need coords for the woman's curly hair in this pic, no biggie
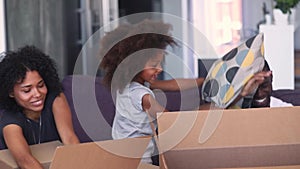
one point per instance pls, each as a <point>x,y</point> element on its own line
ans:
<point>128,40</point>
<point>13,68</point>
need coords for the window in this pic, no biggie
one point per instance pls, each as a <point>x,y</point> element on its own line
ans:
<point>220,21</point>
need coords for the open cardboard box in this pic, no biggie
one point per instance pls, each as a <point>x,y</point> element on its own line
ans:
<point>271,167</point>
<point>243,138</point>
<point>42,152</point>
<point>110,154</point>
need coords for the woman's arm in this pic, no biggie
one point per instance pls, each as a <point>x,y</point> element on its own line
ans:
<point>63,120</point>
<point>19,148</point>
<point>176,84</point>
<point>254,82</point>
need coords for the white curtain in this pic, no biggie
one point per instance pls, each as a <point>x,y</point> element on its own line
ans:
<point>219,20</point>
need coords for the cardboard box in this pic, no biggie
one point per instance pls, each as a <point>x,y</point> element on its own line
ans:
<point>271,167</point>
<point>42,152</point>
<point>147,166</point>
<point>264,137</point>
<point>110,154</point>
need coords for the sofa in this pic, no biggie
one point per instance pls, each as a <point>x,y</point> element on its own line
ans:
<point>173,101</point>
<point>92,104</point>
<point>93,123</point>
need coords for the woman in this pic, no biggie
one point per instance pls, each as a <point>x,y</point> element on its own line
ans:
<point>36,110</point>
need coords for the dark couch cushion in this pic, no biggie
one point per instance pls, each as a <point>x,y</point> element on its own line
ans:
<point>1,146</point>
<point>93,123</point>
<point>92,110</point>
<point>175,101</point>
<point>290,96</point>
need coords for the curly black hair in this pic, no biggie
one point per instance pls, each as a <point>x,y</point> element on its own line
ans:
<point>132,40</point>
<point>13,69</point>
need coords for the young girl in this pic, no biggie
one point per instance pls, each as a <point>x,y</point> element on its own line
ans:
<point>130,65</point>
<point>132,61</point>
<point>35,109</point>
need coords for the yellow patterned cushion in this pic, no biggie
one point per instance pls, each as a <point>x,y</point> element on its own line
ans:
<point>229,74</point>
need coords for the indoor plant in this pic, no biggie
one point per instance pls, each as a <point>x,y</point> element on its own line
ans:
<point>282,12</point>
<point>286,5</point>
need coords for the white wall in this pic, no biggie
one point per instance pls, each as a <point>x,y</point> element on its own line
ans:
<point>252,14</point>
<point>297,31</point>
<point>174,66</point>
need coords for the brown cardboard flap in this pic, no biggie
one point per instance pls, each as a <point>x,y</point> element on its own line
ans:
<point>4,165</point>
<point>42,152</point>
<point>243,138</point>
<point>147,166</point>
<point>111,154</point>
<point>272,167</point>
<point>233,157</point>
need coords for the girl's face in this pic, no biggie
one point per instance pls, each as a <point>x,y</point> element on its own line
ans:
<point>152,69</point>
<point>31,93</point>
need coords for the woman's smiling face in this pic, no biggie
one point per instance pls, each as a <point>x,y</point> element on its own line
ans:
<point>31,93</point>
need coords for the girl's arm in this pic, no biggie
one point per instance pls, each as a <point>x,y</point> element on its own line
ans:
<point>19,148</point>
<point>63,120</point>
<point>176,84</point>
<point>151,106</point>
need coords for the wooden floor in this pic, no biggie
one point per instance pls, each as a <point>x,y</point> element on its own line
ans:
<point>297,69</point>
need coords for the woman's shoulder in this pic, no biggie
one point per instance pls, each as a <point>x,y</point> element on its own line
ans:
<point>51,97</point>
<point>8,117</point>
<point>53,94</point>
<point>48,106</point>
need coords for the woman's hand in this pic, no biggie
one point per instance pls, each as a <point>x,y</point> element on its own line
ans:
<point>19,148</point>
<point>254,82</point>
<point>251,85</point>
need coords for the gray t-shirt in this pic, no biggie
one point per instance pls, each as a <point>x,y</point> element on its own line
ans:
<point>130,119</point>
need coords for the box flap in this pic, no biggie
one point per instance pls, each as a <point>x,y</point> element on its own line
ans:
<point>111,154</point>
<point>147,166</point>
<point>244,137</point>
<point>42,152</point>
<point>273,167</point>
<point>238,127</point>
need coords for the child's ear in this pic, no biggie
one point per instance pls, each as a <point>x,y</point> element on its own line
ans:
<point>11,95</point>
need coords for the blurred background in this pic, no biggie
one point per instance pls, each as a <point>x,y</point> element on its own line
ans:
<point>61,27</point>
